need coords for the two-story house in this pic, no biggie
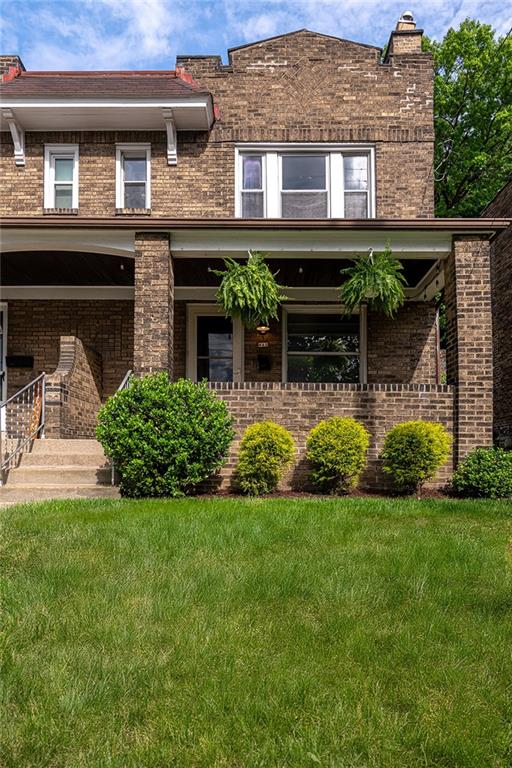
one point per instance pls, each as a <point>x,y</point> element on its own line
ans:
<point>122,190</point>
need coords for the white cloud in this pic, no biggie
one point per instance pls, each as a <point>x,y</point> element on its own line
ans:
<point>138,34</point>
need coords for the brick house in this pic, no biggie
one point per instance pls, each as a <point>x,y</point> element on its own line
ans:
<point>121,190</point>
<point>501,276</point>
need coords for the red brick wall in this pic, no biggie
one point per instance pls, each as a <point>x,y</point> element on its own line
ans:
<point>35,328</point>
<point>501,275</point>
<point>299,407</point>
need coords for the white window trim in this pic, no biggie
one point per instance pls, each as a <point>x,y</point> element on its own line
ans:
<point>131,147</point>
<point>51,151</point>
<point>335,174</point>
<point>326,309</point>
<point>193,312</point>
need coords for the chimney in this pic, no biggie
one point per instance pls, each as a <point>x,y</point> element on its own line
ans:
<point>405,38</point>
<point>10,66</point>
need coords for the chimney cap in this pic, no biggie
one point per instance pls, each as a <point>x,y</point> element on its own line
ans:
<point>408,16</point>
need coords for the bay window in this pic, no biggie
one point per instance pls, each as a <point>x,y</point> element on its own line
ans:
<point>133,176</point>
<point>305,182</point>
<point>61,176</point>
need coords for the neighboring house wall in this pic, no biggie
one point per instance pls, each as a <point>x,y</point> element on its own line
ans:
<point>35,328</point>
<point>501,274</point>
<point>302,87</point>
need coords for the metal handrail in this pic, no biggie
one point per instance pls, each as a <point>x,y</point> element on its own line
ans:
<point>27,396</point>
<point>123,385</point>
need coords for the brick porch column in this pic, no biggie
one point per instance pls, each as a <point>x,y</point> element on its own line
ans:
<point>469,362</point>
<point>154,304</point>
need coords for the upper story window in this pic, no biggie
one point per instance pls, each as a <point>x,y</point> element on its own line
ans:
<point>133,176</point>
<point>305,182</point>
<point>61,176</point>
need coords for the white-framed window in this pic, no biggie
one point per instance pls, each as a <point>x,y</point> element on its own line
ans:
<point>133,176</point>
<point>322,345</point>
<point>305,181</point>
<point>61,176</point>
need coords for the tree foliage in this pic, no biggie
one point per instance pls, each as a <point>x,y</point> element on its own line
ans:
<point>473,117</point>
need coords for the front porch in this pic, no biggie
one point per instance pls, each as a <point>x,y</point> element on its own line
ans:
<point>86,307</point>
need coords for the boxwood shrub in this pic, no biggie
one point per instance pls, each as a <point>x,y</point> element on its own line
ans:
<point>413,452</point>
<point>164,437</point>
<point>484,473</point>
<point>337,449</point>
<point>266,451</point>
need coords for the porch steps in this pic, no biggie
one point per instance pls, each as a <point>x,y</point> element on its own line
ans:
<point>60,469</point>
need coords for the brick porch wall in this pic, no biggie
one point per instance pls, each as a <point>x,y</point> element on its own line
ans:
<point>299,407</point>
<point>73,395</point>
<point>35,328</point>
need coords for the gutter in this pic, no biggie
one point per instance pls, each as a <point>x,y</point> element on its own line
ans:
<point>145,224</point>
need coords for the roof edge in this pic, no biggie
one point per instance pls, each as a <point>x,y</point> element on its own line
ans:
<point>455,226</point>
<point>298,31</point>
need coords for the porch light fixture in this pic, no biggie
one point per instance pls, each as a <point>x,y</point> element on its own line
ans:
<point>262,329</point>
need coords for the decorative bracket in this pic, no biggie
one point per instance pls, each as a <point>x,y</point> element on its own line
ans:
<point>18,136</point>
<point>172,150</point>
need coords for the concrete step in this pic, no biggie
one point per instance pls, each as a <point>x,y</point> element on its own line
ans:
<point>21,494</point>
<point>62,447</point>
<point>43,459</point>
<point>52,475</point>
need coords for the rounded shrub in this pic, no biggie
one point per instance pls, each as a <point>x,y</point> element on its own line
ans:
<point>337,449</point>
<point>484,473</point>
<point>164,437</point>
<point>413,452</point>
<point>266,451</point>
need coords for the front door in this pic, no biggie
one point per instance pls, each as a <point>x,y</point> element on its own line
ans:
<point>213,345</point>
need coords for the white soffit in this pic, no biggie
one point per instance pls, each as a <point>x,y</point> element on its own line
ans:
<point>412,245</point>
<point>116,242</point>
<point>112,115</point>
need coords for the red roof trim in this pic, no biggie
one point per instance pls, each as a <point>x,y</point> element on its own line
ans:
<point>106,73</point>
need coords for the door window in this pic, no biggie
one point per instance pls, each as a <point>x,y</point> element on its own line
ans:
<point>214,348</point>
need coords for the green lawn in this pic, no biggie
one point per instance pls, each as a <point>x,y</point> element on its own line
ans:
<point>234,634</point>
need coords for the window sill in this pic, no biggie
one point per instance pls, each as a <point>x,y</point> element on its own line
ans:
<point>60,211</point>
<point>133,211</point>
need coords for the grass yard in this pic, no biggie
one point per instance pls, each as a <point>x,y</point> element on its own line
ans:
<point>357,633</point>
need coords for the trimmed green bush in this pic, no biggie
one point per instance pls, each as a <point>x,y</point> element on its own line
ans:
<point>337,450</point>
<point>485,473</point>
<point>164,437</point>
<point>413,452</point>
<point>266,451</point>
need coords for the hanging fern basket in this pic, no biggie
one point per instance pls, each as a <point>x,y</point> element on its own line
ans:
<point>249,290</point>
<point>376,279</point>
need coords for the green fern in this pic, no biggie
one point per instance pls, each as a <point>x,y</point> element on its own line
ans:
<point>249,290</point>
<point>376,279</point>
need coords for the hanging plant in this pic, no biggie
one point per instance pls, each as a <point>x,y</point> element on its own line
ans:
<point>249,290</point>
<point>376,279</point>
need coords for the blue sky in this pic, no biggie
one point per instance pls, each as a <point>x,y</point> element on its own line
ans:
<point>147,34</point>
